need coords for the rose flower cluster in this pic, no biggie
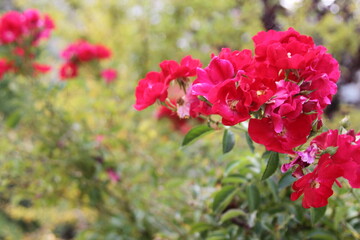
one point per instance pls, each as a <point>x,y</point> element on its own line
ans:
<point>337,155</point>
<point>20,35</point>
<point>82,52</point>
<point>282,90</point>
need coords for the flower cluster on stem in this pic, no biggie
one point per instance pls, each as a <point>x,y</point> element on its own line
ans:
<point>81,53</point>
<point>20,36</point>
<point>282,90</point>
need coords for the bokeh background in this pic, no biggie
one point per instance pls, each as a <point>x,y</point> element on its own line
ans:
<point>62,142</point>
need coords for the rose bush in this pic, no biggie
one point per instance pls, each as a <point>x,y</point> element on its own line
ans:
<point>76,148</point>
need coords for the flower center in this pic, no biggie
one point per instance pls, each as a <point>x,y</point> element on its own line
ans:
<point>260,92</point>
<point>315,184</point>
<point>232,104</point>
<point>282,133</point>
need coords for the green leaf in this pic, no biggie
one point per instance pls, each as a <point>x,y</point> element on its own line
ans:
<point>340,214</point>
<point>231,214</point>
<point>200,227</point>
<point>266,155</point>
<point>231,166</point>
<point>223,198</point>
<point>9,229</point>
<point>271,166</point>
<point>317,214</point>
<point>250,142</point>
<point>228,141</point>
<point>234,178</point>
<point>253,197</point>
<point>353,231</point>
<point>237,166</point>
<point>274,189</point>
<point>330,150</point>
<point>321,235</point>
<point>95,196</point>
<point>218,235</point>
<point>222,237</point>
<point>286,180</point>
<point>299,212</point>
<point>195,133</point>
<point>13,120</point>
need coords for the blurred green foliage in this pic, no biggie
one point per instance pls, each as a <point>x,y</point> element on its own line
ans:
<point>51,159</point>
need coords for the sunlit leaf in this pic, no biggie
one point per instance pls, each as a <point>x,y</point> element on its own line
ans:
<point>200,227</point>
<point>234,178</point>
<point>233,165</point>
<point>231,214</point>
<point>195,133</point>
<point>217,235</point>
